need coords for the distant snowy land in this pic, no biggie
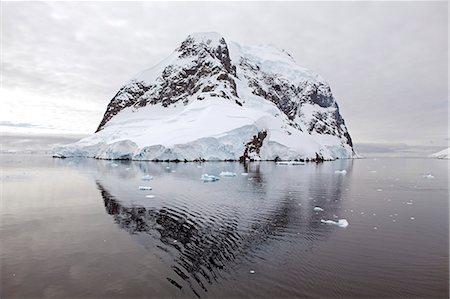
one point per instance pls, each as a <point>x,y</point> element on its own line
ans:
<point>215,100</point>
<point>444,154</point>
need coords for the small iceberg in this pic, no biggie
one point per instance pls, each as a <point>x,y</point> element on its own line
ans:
<point>145,188</point>
<point>209,178</point>
<point>290,163</point>
<point>344,172</point>
<point>429,176</point>
<point>227,173</point>
<point>150,196</point>
<point>147,178</point>
<point>244,173</point>
<point>340,222</point>
<point>114,164</point>
<point>318,209</point>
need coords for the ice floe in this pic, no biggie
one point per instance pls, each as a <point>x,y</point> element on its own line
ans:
<point>340,222</point>
<point>290,163</point>
<point>150,196</point>
<point>244,173</point>
<point>318,209</point>
<point>209,178</point>
<point>147,177</point>
<point>429,176</point>
<point>340,172</point>
<point>227,173</point>
<point>145,188</point>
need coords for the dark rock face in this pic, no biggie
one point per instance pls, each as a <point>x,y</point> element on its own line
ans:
<point>253,147</point>
<point>123,99</point>
<point>290,98</point>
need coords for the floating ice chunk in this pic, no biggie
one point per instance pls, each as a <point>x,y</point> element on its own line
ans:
<point>209,178</point>
<point>409,203</point>
<point>252,271</point>
<point>344,172</point>
<point>379,190</point>
<point>150,196</point>
<point>318,209</point>
<point>227,173</point>
<point>128,168</point>
<point>199,166</point>
<point>429,176</point>
<point>147,178</point>
<point>173,171</point>
<point>290,163</point>
<point>373,171</point>
<point>167,167</point>
<point>340,222</point>
<point>145,188</point>
<point>244,173</point>
<point>114,164</point>
<point>412,218</point>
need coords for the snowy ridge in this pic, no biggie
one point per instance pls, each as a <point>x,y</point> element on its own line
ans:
<point>213,100</point>
<point>444,154</point>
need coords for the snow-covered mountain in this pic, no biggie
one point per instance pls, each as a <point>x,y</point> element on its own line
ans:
<point>444,154</point>
<point>217,100</point>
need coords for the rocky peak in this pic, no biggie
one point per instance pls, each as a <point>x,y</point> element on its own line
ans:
<point>203,66</point>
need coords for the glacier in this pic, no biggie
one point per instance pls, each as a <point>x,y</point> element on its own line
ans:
<point>214,100</point>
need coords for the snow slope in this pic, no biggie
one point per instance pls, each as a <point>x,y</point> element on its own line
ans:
<point>444,154</point>
<point>213,100</point>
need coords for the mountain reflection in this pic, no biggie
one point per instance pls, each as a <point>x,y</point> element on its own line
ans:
<point>202,245</point>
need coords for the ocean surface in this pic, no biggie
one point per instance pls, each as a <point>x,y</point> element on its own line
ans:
<point>82,228</point>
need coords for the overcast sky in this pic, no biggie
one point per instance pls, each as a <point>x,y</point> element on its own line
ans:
<point>386,62</point>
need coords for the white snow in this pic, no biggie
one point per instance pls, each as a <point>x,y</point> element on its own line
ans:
<point>227,173</point>
<point>343,172</point>
<point>145,188</point>
<point>340,222</point>
<point>209,178</point>
<point>444,154</point>
<point>318,209</point>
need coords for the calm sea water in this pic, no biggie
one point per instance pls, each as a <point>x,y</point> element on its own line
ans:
<point>82,228</point>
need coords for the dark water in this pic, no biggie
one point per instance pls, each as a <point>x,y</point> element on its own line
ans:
<point>82,228</point>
